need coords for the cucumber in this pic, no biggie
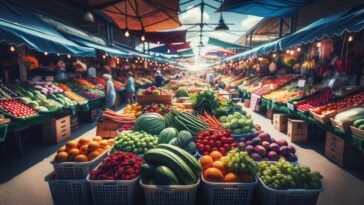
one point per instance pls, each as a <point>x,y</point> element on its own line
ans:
<point>165,176</point>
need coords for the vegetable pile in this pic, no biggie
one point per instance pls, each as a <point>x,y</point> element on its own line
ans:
<point>118,166</point>
<point>185,121</point>
<point>205,101</point>
<point>239,123</point>
<point>16,108</point>
<point>157,108</point>
<point>135,142</point>
<point>208,141</point>
<point>118,117</point>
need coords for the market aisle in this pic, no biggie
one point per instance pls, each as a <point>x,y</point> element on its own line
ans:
<point>341,186</point>
<point>29,187</point>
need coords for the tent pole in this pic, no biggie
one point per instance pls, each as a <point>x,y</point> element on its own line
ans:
<point>280,27</point>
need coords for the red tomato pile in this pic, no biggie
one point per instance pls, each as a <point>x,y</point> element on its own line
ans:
<point>343,103</point>
<point>315,102</point>
<point>210,140</point>
<point>17,108</point>
<point>126,127</point>
<point>158,108</point>
<point>118,166</point>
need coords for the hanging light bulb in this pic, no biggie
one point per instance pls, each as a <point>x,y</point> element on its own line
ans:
<point>274,55</point>
<point>318,44</point>
<point>298,49</point>
<point>46,53</point>
<point>142,38</point>
<point>168,51</point>
<point>12,48</point>
<point>127,60</point>
<point>351,38</point>
<point>58,54</point>
<point>104,56</point>
<point>69,56</point>
<point>287,51</point>
<point>291,52</point>
<point>158,42</point>
<point>126,34</point>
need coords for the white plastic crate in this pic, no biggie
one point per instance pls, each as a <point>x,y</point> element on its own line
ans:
<point>114,192</point>
<point>170,194</point>
<point>270,196</point>
<point>69,191</point>
<point>76,170</point>
<point>228,193</point>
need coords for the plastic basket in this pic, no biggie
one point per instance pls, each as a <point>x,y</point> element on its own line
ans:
<point>170,194</point>
<point>114,192</point>
<point>69,192</point>
<point>228,193</point>
<point>269,196</point>
<point>76,170</point>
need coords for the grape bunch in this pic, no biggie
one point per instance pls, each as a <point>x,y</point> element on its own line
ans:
<point>238,162</point>
<point>284,175</point>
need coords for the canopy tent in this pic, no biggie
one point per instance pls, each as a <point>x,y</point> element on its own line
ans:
<point>21,26</point>
<point>147,15</point>
<point>219,52</point>
<point>166,37</point>
<point>179,46</point>
<point>264,8</point>
<point>188,51</point>
<point>159,49</point>
<point>346,21</point>
<point>171,48</point>
<point>223,44</point>
<point>92,4</point>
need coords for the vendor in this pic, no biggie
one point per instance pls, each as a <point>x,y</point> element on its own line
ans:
<point>159,79</point>
<point>130,87</point>
<point>61,72</point>
<point>92,71</point>
<point>109,91</point>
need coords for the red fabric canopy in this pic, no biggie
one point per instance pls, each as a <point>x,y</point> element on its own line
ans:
<point>179,46</point>
<point>150,15</point>
<point>166,37</point>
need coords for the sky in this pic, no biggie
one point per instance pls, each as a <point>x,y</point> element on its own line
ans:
<point>241,23</point>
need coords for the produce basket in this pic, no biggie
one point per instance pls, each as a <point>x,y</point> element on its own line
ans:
<point>170,195</point>
<point>228,193</point>
<point>114,192</point>
<point>357,131</point>
<point>6,114</point>
<point>269,196</point>
<point>76,170</point>
<point>69,192</point>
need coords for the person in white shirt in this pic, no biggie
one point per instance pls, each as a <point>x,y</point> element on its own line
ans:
<point>91,72</point>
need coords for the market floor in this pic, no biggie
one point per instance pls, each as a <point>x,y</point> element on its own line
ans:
<point>22,178</point>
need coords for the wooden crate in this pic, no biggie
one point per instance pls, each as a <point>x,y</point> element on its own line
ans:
<point>280,122</point>
<point>297,130</point>
<point>57,130</point>
<point>89,116</point>
<point>107,129</point>
<point>341,152</point>
<point>74,123</point>
<point>343,127</point>
<point>322,118</point>
<point>247,103</point>
<point>269,114</point>
<point>144,100</point>
<point>357,131</point>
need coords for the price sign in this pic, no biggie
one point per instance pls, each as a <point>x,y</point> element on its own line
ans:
<point>49,78</point>
<point>331,83</point>
<point>290,106</point>
<point>301,83</point>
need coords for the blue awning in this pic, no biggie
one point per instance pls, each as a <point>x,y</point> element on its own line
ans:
<point>159,49</point>
<point>109,51</point>
<point>264,8</point>
<point>19,26</point>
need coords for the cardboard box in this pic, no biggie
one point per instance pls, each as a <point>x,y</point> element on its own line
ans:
<point>269,113</point>
<point>280,122</point>
<point>341,152</point>
<point>297,130</point>
<point>57,129</point>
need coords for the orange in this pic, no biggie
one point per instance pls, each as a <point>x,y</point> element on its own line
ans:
<point>231,177</point>
<point>97,139</point>
<point>100,150</point>
<point>213,175</point>
<point>62,149</point>
<point>215,155</point>
<point>81,158</point>
<point>110,141</point>
<point>61,157</point>
<point>84,149</point>
<point>93,155</point>
<point>103,144</point>
<point>206,161</point>
<point>93,146</point>
<point>219,165</point>
<point>83,141</point>
<point>72,154</point>
<point>71,145</point>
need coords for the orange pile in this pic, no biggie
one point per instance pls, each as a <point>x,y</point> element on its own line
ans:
<point>133,109</point>
<point>215,171</point>
<point>83,150</point>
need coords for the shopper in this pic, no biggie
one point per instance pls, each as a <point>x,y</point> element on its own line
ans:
<point>159,79</point>
<point>91,71</point>
<point>61,71</point>
<point>130,88</point>
<point>109,91</point>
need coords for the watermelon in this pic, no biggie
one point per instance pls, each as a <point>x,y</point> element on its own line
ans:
<point>152,123</point>
<point>184,138</point>
<point>167,135</point>
<point>191,148</point>
<point>165,176</point>
<point>146,171</point>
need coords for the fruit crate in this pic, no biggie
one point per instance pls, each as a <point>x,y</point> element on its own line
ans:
<point>323,119</point>
<point>345,126</point>
<point>144,100</point>
<point>228,193</point>
<point>357,131</point>
<point>269,196</point>
<point>76,170</point>
<point>74,123</point>
<point>114,192</point>
<point>170,194</point>
<point>69,192</point>
<point>108,129</point>
<point>57,129</point>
